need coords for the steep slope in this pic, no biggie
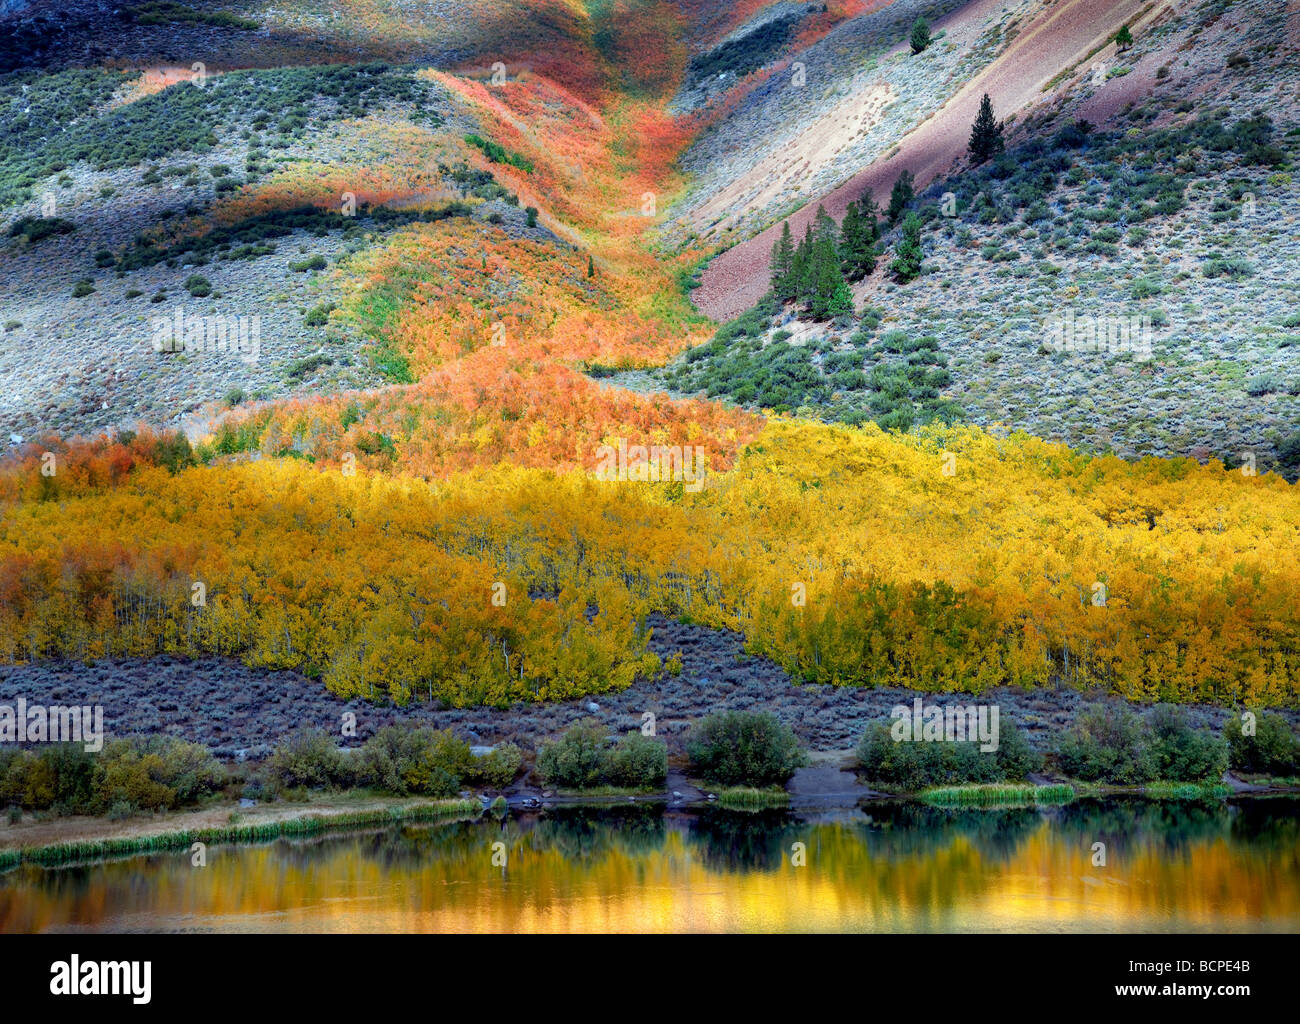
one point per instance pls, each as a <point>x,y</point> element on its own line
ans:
<point>1059,36</point>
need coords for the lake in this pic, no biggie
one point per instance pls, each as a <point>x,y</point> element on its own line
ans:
<point>886,866</point>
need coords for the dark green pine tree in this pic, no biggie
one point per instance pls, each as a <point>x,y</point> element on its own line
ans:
<point>801,270</point>
<point>1123,38</point>
<point>784,285</point>
<point>591,266</point>
<point>985,133</point>
<point>901,196</point>
<point>920,35</point>
<point>858,234</point>
<point>908,254</point>
<point>830,296</point>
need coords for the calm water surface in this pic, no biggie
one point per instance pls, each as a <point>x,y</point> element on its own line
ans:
<point>886,867</point>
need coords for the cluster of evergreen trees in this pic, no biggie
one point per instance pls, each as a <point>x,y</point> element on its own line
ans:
<point>817,272</point>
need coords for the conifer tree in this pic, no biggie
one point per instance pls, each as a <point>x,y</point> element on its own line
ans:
<point>985,133</point>
<point>784,286</point>
<point>1123,38</point>
<point>801,267</point>
<point>901,196</point>
<point>908,255</point>
<point>858,234</point>
<point>920,35</point>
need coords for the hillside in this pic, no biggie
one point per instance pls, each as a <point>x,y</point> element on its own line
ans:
<point>486,245</point>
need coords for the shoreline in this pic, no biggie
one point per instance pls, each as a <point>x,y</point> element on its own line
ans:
<point>88,839</point>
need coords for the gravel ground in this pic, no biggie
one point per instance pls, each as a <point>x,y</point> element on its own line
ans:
<point>242,712</point>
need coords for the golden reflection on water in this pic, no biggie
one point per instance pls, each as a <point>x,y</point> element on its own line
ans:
<point>904,868</point>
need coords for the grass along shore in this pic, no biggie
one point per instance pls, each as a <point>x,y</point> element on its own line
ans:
<point>308,823</point>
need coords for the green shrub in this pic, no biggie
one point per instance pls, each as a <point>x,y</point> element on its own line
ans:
<point>406,760</point>
<point>1107,744</point>
<point>318,316</point>
<point>735,748</point>
<point>637,762</point>
<point>1184,754</point>
<point>1273,750</point>
<point>33,229</point>
<point>307,758</point>
<point>499,767</point>
<point>577,759</point>
<point>198,286</point>
<point>316,262</point>
<point>83,288</point>
<point>912,765</point>
<point>1264,384</point>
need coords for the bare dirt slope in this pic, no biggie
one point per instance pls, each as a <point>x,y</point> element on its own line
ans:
<point>1057,39</point>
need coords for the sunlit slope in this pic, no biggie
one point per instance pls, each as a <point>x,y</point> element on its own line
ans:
<point>948,560</point>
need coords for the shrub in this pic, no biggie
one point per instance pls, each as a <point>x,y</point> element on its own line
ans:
<point>743,748</point>
<point>1264,384</point>
<point>1273,750</point>
<point>1288,452</point>
<point>33,229</point>
<point>83,288</point>
<point>406,760</point>
<point>577,759</point>
<point>1232,268</point>
<point>637,762</point>
<point>308,758</point>
<point>316,262</point>
<point>318,316</point>
<point>1184,754</point>
<point>914,765</point>
<point>499,767</point>
<point>1107,744</point>
<point>198,286</point>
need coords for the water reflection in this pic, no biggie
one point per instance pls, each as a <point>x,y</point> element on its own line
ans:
<point>893,866</point>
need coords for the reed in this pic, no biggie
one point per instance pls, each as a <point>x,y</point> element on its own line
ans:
<point>1186,790</point>
<point>998,795</point>
<point>742,798</point>
<point>308,825</point>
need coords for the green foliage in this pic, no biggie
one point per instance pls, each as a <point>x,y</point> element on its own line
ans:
<point>1288,452</point>
<point>1182,753</point>
<point>165,12</point>
<point>920,35</point>
<point>745,798</point>
<point>637,762</point>
<point>49,121</point>
<point>406,760</point>
<point>998,796</point>
<point>307,758</point>
<point>859,233</point>
<point>316,262</point>
<point>577,759</point>
<point>498,768</point>
<point>912,765</point>
<point>908,254</point>
<point>83,288</point>
<point>498,154</point>
<point>985,134</point>
<point>1124,38</point>
<point>784,285</point>
<point>1273,750</point>
<point>901,196</point>
<point>198,286</point>
<point>1108,744</point>
<point>33,229</point>
<point>128,774</point>
<point>741,748</point>
<point>746,53</point>
<point>317,316</point>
